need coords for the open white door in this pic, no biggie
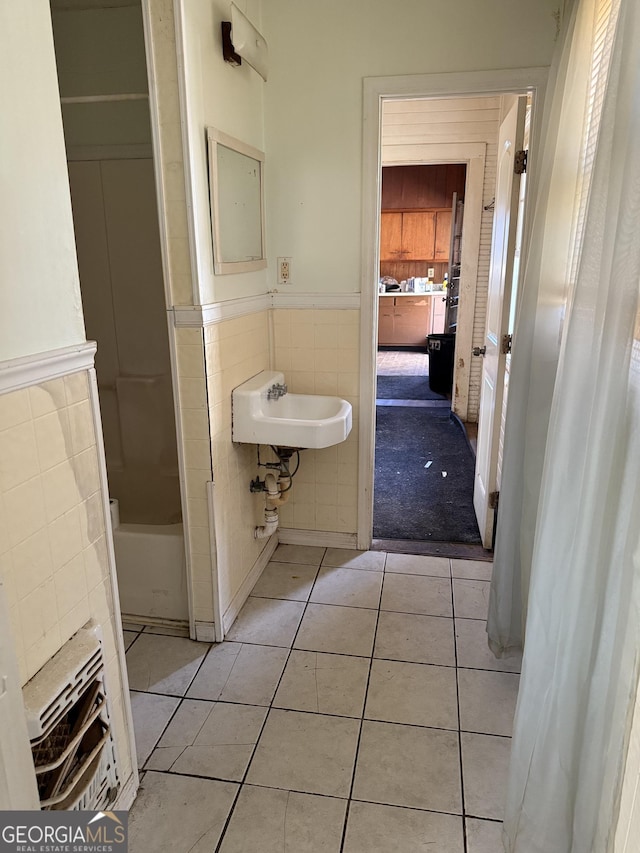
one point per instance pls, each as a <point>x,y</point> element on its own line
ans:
<point>510,140</point>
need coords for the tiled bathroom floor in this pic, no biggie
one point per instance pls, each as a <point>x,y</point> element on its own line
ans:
<point>353,707</point>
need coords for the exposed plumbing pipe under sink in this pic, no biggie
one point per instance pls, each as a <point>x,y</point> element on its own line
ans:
<point>277,491</point>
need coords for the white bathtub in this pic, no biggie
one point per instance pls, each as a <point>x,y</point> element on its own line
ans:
<point>151,571</point>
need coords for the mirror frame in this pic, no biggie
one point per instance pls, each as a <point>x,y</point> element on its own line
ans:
<point>216,138</point>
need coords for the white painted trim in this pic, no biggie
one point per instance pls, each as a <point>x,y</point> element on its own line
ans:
<point>330,301</point>
<point>248,584</point>
<point>217,137</point>
<point>30,370</point>
<point>473,154</point>
<point>94,402</point>
<point>198,316</point>
<point>184,504</point>
<point>154,118</point>
<point>317,538</point>
<point>188,144</point>
<point>452,84</point>
<point>205,632</point>
<point>127,796</point>
<point>377,89</point>
<point>215,577</point>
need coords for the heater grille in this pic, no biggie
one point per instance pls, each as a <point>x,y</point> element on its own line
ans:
<point>68,723</point>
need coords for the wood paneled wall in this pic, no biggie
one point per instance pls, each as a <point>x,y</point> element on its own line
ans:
<point>409,187</point>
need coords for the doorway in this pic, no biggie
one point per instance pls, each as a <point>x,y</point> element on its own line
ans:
<point>469,90</point>
<point>103,82</point>
<point>423,461</point>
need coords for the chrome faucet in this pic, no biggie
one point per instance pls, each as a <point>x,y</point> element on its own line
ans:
<point>276,391</point>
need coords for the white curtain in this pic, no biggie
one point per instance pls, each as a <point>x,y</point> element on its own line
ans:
<point>567,560</point>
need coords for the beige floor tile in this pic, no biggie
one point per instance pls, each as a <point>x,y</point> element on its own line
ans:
<point>485,769</point>
<point>129,637</point>
<point>151,714</point>
<point>373,828</point>
<point>414,564</point>
<point>267,621</point>
<point>415,594</point>
<point>312,753</point>
<point>179,814</point>
<point>413,693</point>
<point>473,570</point>
<point>371,561</point>
<point>164,664</point>
<point>408,766</point>
<point>471,598</point>
<point>473,648</point>
<point>273,821</point>
<point>239,672</point>
<point>483,836</point>
<point>213,739</point>
<point>326,684</point>
<point>348,587</point>
<point>415,638</point>
<point>292,581</point>
<point>487,701</point>
<point>307,555</point>
<point>340,630</point>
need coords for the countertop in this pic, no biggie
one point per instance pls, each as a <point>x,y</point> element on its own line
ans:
<point>402,293</point>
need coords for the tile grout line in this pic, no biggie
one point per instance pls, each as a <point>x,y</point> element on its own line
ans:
<point>362,717</point>
<point>181,699</point>
<point>455,651</point>
<point>242,782</point>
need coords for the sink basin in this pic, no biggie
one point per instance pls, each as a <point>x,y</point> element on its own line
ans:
<point>292,420</point>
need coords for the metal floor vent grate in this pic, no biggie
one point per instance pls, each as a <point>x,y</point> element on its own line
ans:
<point>68,723</point>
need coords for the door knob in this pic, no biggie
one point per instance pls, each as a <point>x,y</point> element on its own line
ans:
<point>479,350</point>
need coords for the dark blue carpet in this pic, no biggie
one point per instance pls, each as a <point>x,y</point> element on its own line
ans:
<point>412,501</point>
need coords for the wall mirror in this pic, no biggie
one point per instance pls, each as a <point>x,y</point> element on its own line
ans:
<point>236,185</point>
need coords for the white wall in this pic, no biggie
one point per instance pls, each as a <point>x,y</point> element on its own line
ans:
<point>39,290</point>
<point>319,53</point>
<point>230,99</point>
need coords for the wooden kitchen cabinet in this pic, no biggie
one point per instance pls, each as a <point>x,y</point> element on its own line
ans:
<point>407,235</point>
<point>418,235</point>
<point>385,320</point>
<point>415,235</point>
<point>442,235</point>
<point>404,320</point>
<point>390,236</point>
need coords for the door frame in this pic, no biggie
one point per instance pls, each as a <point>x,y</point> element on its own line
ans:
<point>376,91</point>
<point>473,156</point>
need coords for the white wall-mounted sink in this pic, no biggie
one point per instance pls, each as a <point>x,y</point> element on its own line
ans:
<point>290,420</point>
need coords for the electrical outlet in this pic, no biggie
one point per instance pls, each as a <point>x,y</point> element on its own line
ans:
<point>284,270</point>
<point>431,272</point>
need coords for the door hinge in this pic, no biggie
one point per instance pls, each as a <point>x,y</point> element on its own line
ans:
<point>494,497</point>
<point>520,162</point>
<point>507,341</point>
